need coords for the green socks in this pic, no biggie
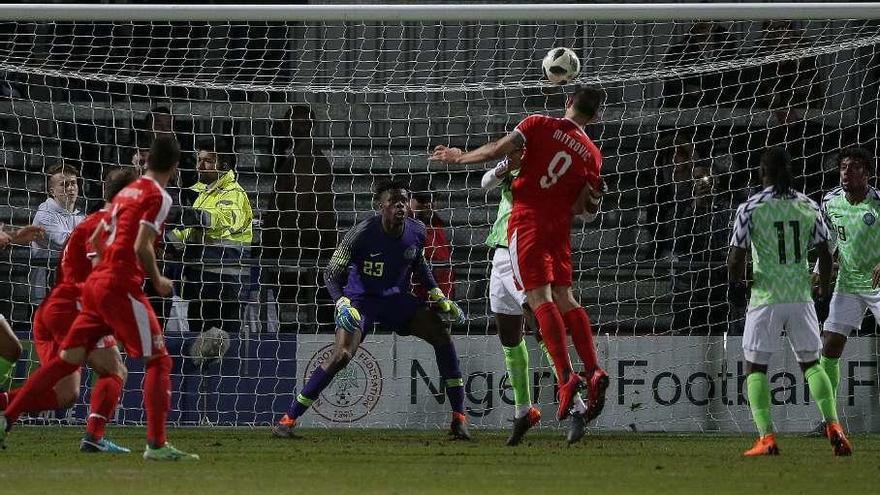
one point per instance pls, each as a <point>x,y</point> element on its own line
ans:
<point>5,368</point>
<point>516,359</point>
<point>832,369</point>
<point>547,354</point>
<point>822,392</point>
<point>759,401</point>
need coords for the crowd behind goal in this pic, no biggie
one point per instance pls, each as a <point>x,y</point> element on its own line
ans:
<point>247,241</point>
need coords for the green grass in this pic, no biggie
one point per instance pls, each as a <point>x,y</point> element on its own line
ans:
<point>45,460</point>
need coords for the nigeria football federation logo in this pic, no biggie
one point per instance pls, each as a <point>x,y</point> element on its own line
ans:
<point>355,390</point>
<point>869,218</point>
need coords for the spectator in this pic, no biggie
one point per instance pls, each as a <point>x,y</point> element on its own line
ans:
<point>700,239</point>
<point>299,228</point>
<point>58,215</point>
<point>438,253</point>
<point>216,236</point>
<point>675,158</point>
<point>705,42</point>
<point>160,120</point>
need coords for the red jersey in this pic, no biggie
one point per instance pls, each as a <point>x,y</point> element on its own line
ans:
<point>558,161</point>
<point>76,264</point>
<point>437,251</point>
<point>143,202</point>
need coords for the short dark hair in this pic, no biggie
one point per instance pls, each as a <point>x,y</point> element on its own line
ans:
<point>60,168</point>
<point>586,100</point>
<point>857,153</point>
<point>223,150</point>
<point>387,185</point>
<point>164,153</point>
<point>116,180</point>
<point>776,164</point>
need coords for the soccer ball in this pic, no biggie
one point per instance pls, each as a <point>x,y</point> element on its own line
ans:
<point>561,65</point>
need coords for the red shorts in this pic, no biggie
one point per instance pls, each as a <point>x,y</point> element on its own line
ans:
<point>110,307</point>
<point>540,256</point>
<point>52,322</point>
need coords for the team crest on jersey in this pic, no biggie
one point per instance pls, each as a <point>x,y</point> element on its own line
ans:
<point>410,253</point>
<point>869,218</point>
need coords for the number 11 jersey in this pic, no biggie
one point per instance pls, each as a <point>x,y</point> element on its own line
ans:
<point>780,229</point>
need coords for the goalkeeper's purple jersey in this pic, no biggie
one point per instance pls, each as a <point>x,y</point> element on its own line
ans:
<point>372,263</point>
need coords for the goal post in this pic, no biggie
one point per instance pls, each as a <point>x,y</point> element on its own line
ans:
<point>311,105</point>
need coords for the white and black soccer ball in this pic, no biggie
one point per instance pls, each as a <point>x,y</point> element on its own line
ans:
<point>210,345</point>
<point>561,65</point>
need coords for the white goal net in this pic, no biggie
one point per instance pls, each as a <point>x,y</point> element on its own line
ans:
<point>309,114</point>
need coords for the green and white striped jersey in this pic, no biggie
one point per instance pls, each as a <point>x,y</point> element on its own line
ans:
<point>780,229</point>
<point>855,233</point>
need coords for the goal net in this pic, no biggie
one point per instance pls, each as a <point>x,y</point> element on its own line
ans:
<point>309,109</point>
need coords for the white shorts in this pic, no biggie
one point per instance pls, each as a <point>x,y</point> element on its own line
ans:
<point>764,326</point>
<point>848,310</point>
<point>504,297</point>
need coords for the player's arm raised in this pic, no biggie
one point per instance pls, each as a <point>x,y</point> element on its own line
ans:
<point>490,151</point>
<point>501,171</point>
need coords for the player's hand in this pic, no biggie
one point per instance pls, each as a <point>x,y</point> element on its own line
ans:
<point>28,234</point>
<point>163,286</point>
<point>5,240</point>
<point>445,154</point>
<point>348,317</point>
<point>449,311</point>
<point>875,277</point>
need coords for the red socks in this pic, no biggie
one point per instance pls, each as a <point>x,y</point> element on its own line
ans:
<point>37,393</point>
<point>105,396</point>
<point>553,332</point>
<point>157,398</point>
<point>578,322</point>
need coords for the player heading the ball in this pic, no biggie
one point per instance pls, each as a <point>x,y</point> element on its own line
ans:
<point>558,178</point>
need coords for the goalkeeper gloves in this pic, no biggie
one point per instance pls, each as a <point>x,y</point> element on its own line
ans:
<point>449,311</point>
<point>347,317</point>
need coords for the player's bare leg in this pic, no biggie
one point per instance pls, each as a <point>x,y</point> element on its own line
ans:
<point>428,326</point>
<point>553,331</point>
<point>516,359</point>
<point>112,373</point>
<point>345,347</point>
<point>578,323</point>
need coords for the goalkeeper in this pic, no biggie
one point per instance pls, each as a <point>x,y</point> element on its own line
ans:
<point>369,277</point>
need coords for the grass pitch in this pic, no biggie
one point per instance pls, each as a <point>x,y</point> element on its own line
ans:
<point>42,460</point>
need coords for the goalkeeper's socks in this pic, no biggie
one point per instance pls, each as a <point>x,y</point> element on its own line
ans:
<point>105,396</point>
<point>38,391</point>
<point>157,399</point>
<point>316,384</point>
<point>759,401</point>
<point>832,369</point>
<point>450,372</point>
<point>578,322</point>
<point>553,332</point>
<point>821,391</point>
<point>516,359</point>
